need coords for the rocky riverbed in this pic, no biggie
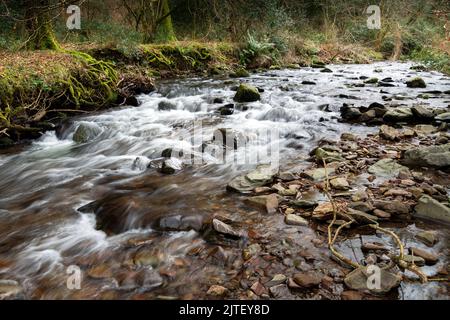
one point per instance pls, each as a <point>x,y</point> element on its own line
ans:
<point>113,195</point>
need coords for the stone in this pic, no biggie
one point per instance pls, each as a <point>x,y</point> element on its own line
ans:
<point>443,117</point>
<point>373,246</point>
<point>430,238</point>
<point>398,193</point>
<point>9,289</point>
<point>360,195</point>
<point>371,81</point>
<point>217,291</point>
<point>294,220</point>
<point>280,291</point>
<point>308,279</point>
<point>349,137</point>
<point>389,133</point>
<point>392,206</point>
<point>340,184</point>
<point>86,132</point>
<point>319,174</point>
<point>381,214</point>
<point>267,202</point>
<point>326,70</point>
<point>171,166</point>
<point>362,217</point>
<point>277,280</point>
<point>251,251</point>
<point>429,257</point>
<point>180,223</point>
<point>240,73</point>
<point>247,93</point>
<point>324,211</point>
<point>166,105</point>
<point>411,259</point>
<point>351,295</point>
<point>434,156</point>
<point>101,271</point>
<point>416,83</point>
<point>349,112</point>
<point>387,168</point>
<point>358,280</point>
<point>303,204</point>
<point>258,289</point>
<point>407,133</point>
<point>327,156</point>
<point>425,129</point>
<point>361,206</point>
<point>399,114</point>
<point>429,208</point>
<point>260,177</point>
<point>146,258</point>
<point>422,113</point>
<point>222,227</point>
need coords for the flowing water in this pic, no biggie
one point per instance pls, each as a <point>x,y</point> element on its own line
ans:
<point>43,231</point>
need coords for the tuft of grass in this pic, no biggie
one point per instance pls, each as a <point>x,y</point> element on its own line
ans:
<point>433,59</point>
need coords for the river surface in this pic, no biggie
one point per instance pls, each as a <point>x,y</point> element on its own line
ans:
<point>43,185</point>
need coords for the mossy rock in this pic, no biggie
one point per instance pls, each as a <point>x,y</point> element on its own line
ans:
<point>240,73</point>
<point>6,142</point>
<point>247,93</point>
<point>86,132</point>
<point>371,81</point>
<point>416,83</point>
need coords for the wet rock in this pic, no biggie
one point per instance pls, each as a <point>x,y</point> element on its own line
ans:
<point>319,174</point>
<point>100,272</point>
<point>86,132</point>
<point>387,168</point>
<point>180,223</point>
<point>268,203</point>
<point>422,113</point>
<point>324,211</point>
<point>429,257</point>
<point>280,291</point>
<point>229,138</point>
<point>398,193</point>
<point>227,110</point>
<point>340,184</point>
<point>276,280</point>
<point>429,208</point>
<point>167,105</point>
<point>6,142</point>
<point>358,280</point>
<point>381,214</point>
<point>430,238</point>
<point>434,156</point>
<point>327,156</point>
<point>146,258</point>
<point>258,289</point>
<point>425,129</point>
<point>416,83</point>
<point>399,114</point>
<point>171,166</point>
<point>247,93</point>
<point>294,220</point>
<point>260,177</point>
<point>441,140</point>
<point>9,289</point>
<point>223,228</point>
<point>303,204</point>
<point>326,70</point>
<point>360,195</point>
<point>351,295</point>
<point>251,251</point>
<point>217,291</point>
<point>371,81</point>
<point>310,83</point>
<point>411,259</point>
<point>308,280</point>
<point>240,73</point>
<point>443,117</point>
<point>350,113</point>
<point>373,246</point>
<point>389,133</point>
<point>392,206</point>
<point>349,137</point>
<point>361,217</point>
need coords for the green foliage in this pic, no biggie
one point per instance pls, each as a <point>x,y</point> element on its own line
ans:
<point>433,59</point>
<point>254,48</point>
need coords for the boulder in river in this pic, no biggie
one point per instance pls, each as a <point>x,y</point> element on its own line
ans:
<point>443,117</point>
<point>434,156</point>
<point>387,168</point>
<point>422,113</point>
<point>360,280</point>
<point>429,208</point>
<point>223,228</point>
<point>247,93</point>
<point>416,83</point>
<point>389,133</point>
<point>399,114</point>
<point>260,177</point>
<point>167,105</point>
<point>9,289</point>
<point>86,132</point>
<point>349,112</point>
<point>171,166</point>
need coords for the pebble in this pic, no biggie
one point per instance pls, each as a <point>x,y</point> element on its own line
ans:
<point>294,220</point>
<point>429,257</point>
<point>308,280</point>
<point>217,291</point>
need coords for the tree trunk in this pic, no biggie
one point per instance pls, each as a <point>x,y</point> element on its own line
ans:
<point>39,27</point>
<point>165,30</point>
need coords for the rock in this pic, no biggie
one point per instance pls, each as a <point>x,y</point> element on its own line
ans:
<point>258,289</point>
<point>430,238</point>
<point>324,211</point>
<point>180,223</point>
<point>422,113</point>
<point>308,280</point>
<point>327,156</point>
<point>434,156</point>
<point>303,204</point>
<point>260,177</point>
<point>425,129</point>
<point>350,113</point>
<point>410,259</point>
<point>319,174</point>
<point>86,132</point>
<point>146,258</point>
<point>326,70</point>
<point>429,208</point>
<point>100,272</point>
<point>373,246</point>
<point>361,217</point>
<point>389,133</point>
<point>349,137</point>
<point>371,81</point>
<point>399,114</point>
<point>9,289</point>
<point>171,166</point>
<point>339,184</point>
<point>351,295</point>
<point>392,206</point>
<point>358,280</point>
<point>310,83</point>
<point>441,140</point>
<point>167,105</point>
<point>443,117</point>
<point>277,280</point>
<point>360,195</point>
<point>229,138</point>
<point>251,251</point>
<point>429,257</point>
<point>398,193</point>
<point>222,227</point>
<point>387,168</point>
<point>6,142</point>
<point>381,214</point>
<point>240,73</point>
<point>280,291</point>
<point>407,133</point>
<point>294,220</point>
<point>268,203</point>
<point>247,93</point>
<point>416,83</point>
<point>217,291</point>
